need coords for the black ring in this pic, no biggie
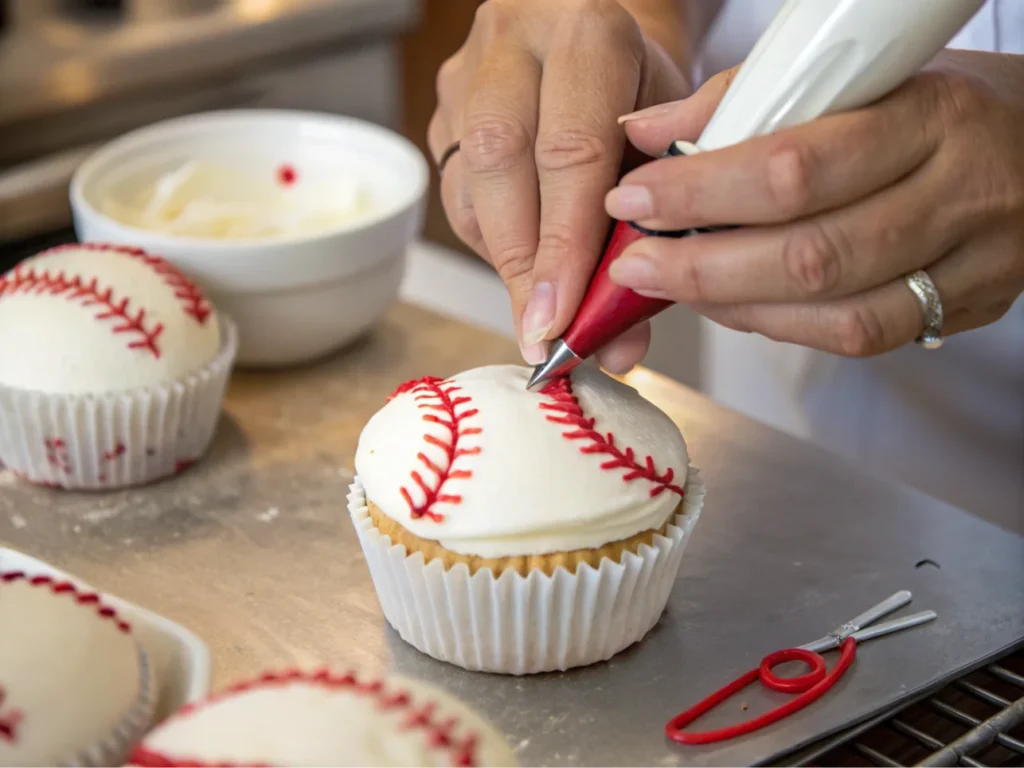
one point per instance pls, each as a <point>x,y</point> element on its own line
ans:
<point>447,155</point>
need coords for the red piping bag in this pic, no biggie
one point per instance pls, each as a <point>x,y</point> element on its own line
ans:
<point>608,309</point>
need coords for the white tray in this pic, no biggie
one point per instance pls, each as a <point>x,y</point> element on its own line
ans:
<point>180,659</point>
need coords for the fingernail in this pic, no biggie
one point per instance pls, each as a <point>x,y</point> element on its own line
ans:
<point>634,271</point>
<point>533,354</point>
<point>656,111</point>
<point>539,315</point>
<point>629,202</point>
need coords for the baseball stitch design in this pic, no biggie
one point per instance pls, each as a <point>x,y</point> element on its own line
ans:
<point>441,399</point>
<point>439,732</point>
<point>10,719</point>
<point>565,408</point>
<point>90,293</point>
<point>67,588</point>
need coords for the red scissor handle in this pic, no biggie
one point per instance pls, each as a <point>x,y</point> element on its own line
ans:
<point>811,686</point>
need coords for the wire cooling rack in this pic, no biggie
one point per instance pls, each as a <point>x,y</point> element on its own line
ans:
<point>976,720</point>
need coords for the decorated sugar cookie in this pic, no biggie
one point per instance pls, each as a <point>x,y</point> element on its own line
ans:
<point>112,367</point>
<point>75,686</point>
<point>326,718</point>
<point>528,514</point>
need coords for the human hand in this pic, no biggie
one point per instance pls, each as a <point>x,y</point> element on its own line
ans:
<point>533,96</point>
<point>837,211</point>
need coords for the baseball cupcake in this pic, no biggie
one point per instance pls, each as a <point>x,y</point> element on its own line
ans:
<point>519,532</point>
<point>112,367</point>
<point>325,719</point>
<point>75,686</point>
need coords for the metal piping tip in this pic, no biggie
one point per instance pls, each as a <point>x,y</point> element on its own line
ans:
<point>561,361</point>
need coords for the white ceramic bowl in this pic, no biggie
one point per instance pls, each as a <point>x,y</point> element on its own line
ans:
<point>294,298</point>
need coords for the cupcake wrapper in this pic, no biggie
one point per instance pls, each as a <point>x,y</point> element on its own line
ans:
<point>522,625</point>
<point>116,439</point>
<point>118,744</point>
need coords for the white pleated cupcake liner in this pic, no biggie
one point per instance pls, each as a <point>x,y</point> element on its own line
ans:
<point>115,439</point>
<point>114,748</point>
<point>520,625</point>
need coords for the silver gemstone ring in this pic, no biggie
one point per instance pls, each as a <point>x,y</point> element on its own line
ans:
<point>931,308</point>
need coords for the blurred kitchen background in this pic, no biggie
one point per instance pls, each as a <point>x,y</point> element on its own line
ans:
<point>76,73</point>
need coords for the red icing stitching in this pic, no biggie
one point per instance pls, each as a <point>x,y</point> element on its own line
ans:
<point>193,300</point>
<point>439,396</point>
<point>24,278</point>
<point>9,720</point>
<point>567,410</point>
<point>67,588</point>
<point>439,732</point>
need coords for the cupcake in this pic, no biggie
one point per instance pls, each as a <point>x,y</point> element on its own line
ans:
<point>522,531</point>
<point>75,686</point>
<point>112,367</point>
<point>325,719</point>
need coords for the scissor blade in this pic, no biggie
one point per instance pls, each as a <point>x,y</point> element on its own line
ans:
<point>829,642</point>
<point>890,604</point>
<point>895,625</point>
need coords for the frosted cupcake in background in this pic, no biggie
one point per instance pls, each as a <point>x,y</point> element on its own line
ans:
<point>113,367</point>
<point>326,718</point>
<point>75,686</point>
<point>520,532</point>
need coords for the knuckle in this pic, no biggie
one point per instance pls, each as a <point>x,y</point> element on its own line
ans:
<point>556,240</point>
<point>605,23</point>
<point>691,283</point>
<point>789,179</point>
<point>609,13</point>
<point>446,76</point>
<point>813,259</point>
<point>491,19</point>
<point>493,143</point>
<point>955,99</point>
<point>859,333</point>
<point>569,148</point>
<point>514,262</point>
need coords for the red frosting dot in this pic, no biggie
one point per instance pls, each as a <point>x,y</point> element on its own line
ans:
<point>287,175</point>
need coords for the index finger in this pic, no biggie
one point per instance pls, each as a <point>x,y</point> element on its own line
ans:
<point>590,77</point>
<point>499,125</point>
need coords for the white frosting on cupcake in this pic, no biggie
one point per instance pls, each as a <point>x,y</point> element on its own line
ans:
<point>487,468</point>
<point>90,318</point>
<point>326,719</point>
<point>72,685</point>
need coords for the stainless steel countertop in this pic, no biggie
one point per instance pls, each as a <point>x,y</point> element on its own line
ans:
<point>253,550</point>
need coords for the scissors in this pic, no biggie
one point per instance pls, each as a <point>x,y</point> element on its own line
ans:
<point>810,686</point>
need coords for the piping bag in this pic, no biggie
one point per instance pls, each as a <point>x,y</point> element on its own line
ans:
<point>817,57</point>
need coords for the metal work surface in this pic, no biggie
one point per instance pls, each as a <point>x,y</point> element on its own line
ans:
<point>253,550</point>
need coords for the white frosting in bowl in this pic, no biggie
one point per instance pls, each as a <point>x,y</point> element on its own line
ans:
<point>207,200</point>
<point>487,468</point>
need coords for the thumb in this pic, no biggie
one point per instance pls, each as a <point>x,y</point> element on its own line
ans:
<point>653,129</point>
